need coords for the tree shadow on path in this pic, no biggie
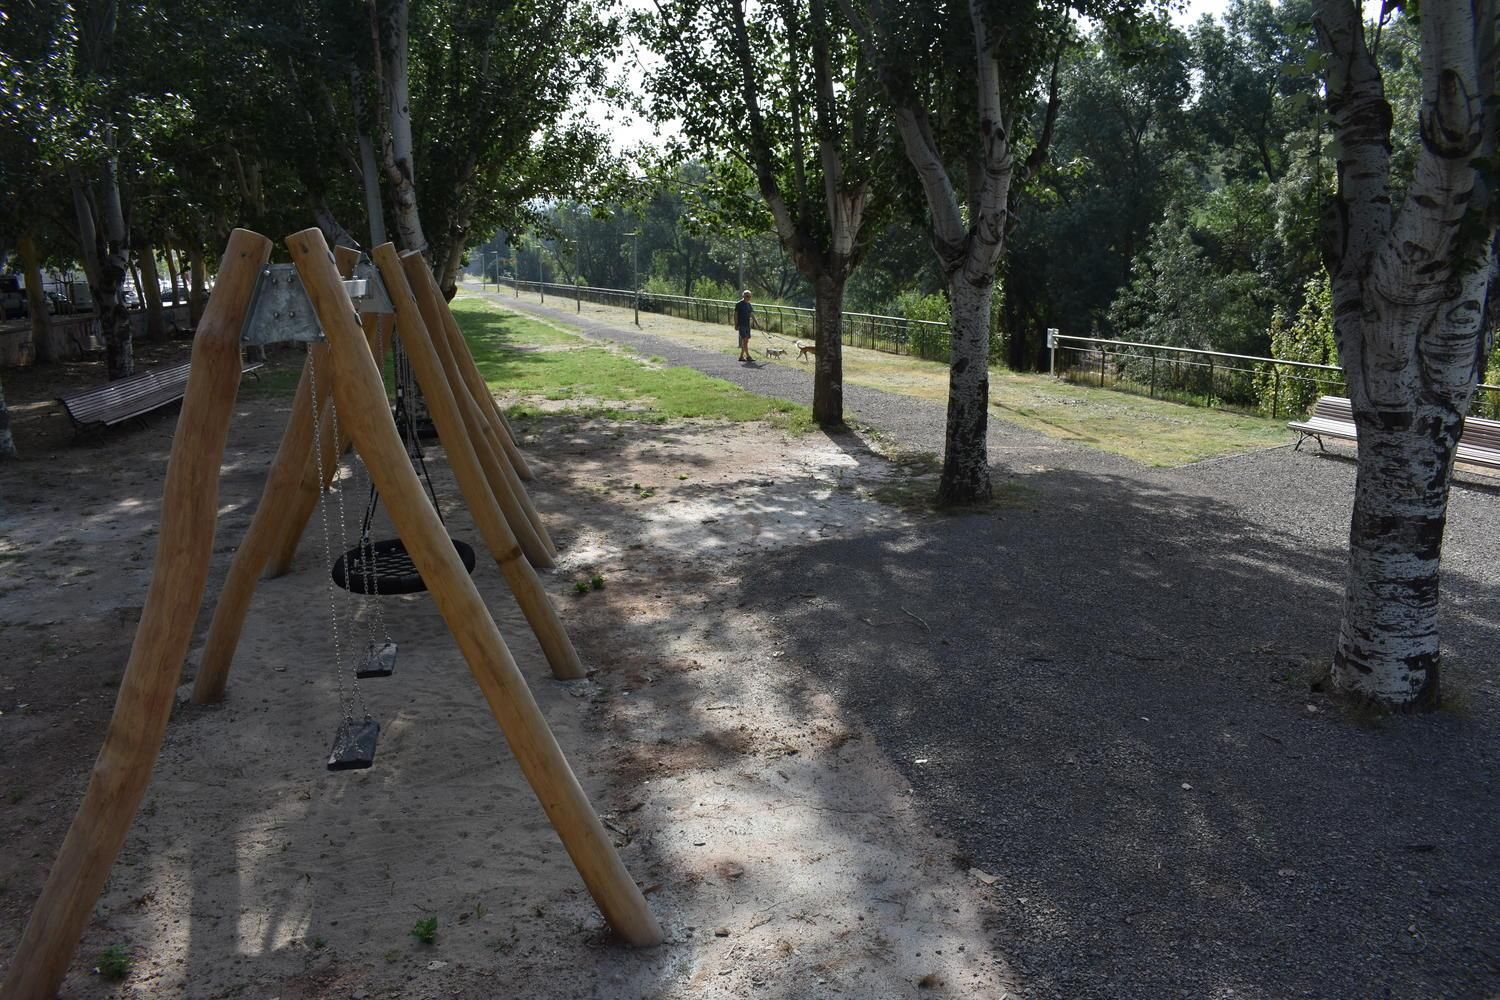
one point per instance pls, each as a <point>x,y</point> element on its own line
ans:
<point>1108,699</point>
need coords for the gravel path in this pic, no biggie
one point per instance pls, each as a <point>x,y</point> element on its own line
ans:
<point>1105,696</point>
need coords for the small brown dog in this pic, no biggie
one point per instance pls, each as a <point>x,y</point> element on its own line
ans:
<point>806,350</point>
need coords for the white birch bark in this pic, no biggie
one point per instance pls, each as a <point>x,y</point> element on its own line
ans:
<point>969,252</point>
<point>1410,317</point>
<point>397,146</point>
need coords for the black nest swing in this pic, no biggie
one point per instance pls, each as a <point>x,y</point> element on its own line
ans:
<point>384,568</point>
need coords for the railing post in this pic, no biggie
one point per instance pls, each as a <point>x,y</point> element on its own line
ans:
<point>1101,366</point>
<point>1276,391</point>
<point>578,295</point>
<point>1208,399</point>
<point>1152,392</point>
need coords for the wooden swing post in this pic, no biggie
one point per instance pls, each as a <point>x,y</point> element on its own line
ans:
<point>282,513</point>
<point>361,402</point>
<point>453,432</point>
<point>319,469</point>
<point>184,552</point>
<point>268,526</point>
<point>509,489</point>
<point>468,372</point>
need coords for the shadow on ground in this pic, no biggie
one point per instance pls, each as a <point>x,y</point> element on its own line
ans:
<point>1108,701</point>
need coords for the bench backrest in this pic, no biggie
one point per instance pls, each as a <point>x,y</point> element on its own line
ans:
<point>128,395</point>
<point>1481,433</point>
<point>1336,408</point>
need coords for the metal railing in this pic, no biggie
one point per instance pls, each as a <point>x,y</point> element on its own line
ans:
<point>1247,382</point>
<point>926,339</point>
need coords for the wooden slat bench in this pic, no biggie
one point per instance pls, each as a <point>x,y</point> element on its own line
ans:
<point>1333,416</point>
<point>129,398</point>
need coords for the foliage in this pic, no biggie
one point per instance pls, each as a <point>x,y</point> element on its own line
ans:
<point>1309,338</point>
<point>115,963</point>
<point>425,930</point>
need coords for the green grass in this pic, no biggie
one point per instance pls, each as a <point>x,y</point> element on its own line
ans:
<point>1151,431</point>
<point>531,358</point>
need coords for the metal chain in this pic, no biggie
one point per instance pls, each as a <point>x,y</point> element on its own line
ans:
<point>345,704</point>
<point>376,621</point>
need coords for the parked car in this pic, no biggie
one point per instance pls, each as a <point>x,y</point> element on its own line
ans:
<point>129,296</point>
<point>12,297</point>
<point>58,304</point>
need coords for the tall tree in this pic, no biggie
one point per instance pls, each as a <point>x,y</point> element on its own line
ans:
<point>961,79</point>
<point>785,88</point>
<point>1414,306</point>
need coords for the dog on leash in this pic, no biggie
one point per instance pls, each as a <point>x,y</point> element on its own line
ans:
<point>806,350</point>
<point>775,352</point>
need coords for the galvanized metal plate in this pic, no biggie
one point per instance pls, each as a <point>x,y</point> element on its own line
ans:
<point>372,298</point>
<point>280,310</point>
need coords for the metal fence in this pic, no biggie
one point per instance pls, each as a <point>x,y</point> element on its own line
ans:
<point>927,339</point>
<point>1212,378</point>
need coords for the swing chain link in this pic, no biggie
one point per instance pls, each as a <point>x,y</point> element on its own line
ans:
<point>346,704</point>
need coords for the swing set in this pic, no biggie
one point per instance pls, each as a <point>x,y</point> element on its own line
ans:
<point>342,307</point>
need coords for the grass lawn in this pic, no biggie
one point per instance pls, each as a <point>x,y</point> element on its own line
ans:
<point>531,358</point>
<point>1151,431</point>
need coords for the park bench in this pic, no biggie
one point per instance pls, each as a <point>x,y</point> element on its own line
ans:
<point>131,398</point>
<point>1333,416</point>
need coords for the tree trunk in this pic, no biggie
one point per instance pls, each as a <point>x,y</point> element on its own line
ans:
<point>966,463</point>
<point>173,272</point>
<point>156,323</point>
<point>400,160</point>
<point>197,295</point>
<point>104,255</point>
<point>448,272</point>
<point>36,300</point>
<point>828,331</point>
<point>1412,294</point>
<point>7,441</point>
<point>1387,649</point>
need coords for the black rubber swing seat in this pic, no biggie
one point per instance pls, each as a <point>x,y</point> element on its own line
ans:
<point>390,569</point>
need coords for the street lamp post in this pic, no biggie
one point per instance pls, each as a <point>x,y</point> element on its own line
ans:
<point>635,272</point>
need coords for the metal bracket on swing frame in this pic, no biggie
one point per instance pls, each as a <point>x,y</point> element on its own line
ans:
<point>280,310</point>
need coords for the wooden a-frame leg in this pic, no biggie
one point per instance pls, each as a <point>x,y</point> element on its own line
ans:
<point>509,490</point>
<point>378,331</point>
<point>464,460</point>
<point>361,403</point>
<point>468,371</point>
<point>184,550</point>
<point>267,528</point>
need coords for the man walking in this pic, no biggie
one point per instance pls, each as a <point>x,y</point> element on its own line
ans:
<point>743,315</point>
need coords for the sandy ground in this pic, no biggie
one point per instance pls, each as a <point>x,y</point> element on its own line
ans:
<point>780,849</point>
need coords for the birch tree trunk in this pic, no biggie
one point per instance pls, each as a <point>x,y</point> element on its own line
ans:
<point>156,322</point>
<point>966,463</point>
<point>1412,319</point>
<point>828,380</point>
<point>197,296</point>
<point>104,243</point>
<point>36,300</point>
<point>400,161</point>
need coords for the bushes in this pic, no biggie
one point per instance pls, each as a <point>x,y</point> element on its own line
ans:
<point>1307,338</point>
